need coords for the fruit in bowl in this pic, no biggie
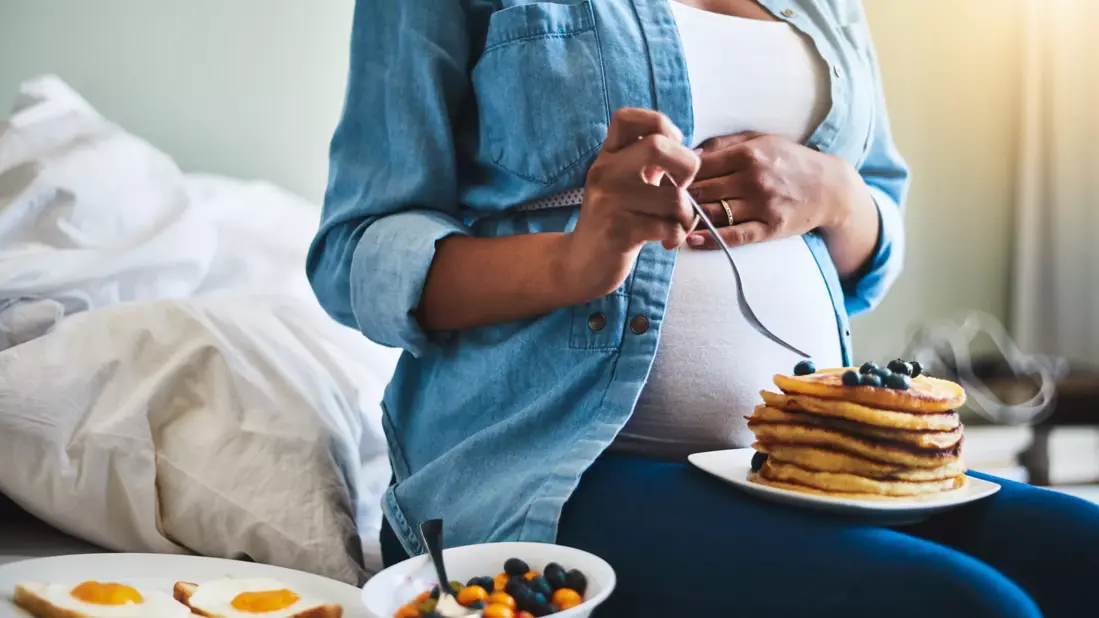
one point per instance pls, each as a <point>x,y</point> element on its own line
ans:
<point>503,580</point>
<point>516,592</point>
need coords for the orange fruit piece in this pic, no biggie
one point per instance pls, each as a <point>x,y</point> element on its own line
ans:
<point>471,594</point>
<point>501,598</point>
<point>566,598</point>
<point>498,611</point>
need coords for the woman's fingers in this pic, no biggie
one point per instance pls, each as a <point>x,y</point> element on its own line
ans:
<point>642,161</point>
<point>724,142</point>
<point>656,229</point>
<point>720,218</point>
<point>665,201</point>
<point>746,233</point>
<point>736,158</point>
<point>731,186</point>
<point>633,169</point>
<point>633,187</point>
<point>660,151</point>
<point>630,124</point>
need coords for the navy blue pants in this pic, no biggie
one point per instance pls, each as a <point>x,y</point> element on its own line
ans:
<point>685,544</point>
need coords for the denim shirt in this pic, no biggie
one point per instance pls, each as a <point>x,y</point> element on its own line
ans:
<point>457,111</point>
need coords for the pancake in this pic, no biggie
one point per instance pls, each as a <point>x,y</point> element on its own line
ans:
<point>876,450</point>
<point>862,414</point>
<point>833,482</point>
<point>759,480</point>
<point>927,395</point>
<point>893,491</point>
<point>921,439</point>
<point>825,460</point>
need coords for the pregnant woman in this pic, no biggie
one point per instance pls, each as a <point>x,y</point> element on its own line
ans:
<point>503,205</point>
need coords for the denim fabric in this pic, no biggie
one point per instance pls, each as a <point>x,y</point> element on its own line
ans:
<point>457,111</point>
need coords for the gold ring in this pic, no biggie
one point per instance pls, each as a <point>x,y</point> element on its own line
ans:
<point>728,212</point>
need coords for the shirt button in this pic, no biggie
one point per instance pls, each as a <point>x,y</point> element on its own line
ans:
<point>597,321</point>
<point>837,71</point>
<point>639,324</point>
<point>788,13</point>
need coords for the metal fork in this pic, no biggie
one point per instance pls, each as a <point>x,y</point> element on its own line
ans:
<point>705,219</point>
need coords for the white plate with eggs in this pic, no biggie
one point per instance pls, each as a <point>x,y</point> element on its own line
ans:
<point>154,577</point>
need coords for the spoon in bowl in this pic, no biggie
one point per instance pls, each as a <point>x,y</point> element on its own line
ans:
<point>447,606</point>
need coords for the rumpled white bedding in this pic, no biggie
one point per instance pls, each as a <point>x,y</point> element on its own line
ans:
<point>167,380</point>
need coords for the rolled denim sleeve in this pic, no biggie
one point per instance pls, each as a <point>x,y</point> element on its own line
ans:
<point>886,175</point>
<point>392,190</point>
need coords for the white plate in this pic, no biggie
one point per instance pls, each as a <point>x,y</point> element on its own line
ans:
<point>733,466</point>
<point>161,572</point>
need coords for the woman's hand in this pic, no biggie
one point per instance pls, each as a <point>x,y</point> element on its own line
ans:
<point>626,205</point>
<point>776,188</point>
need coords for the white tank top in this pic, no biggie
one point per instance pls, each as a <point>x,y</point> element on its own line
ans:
<point>713,359</point>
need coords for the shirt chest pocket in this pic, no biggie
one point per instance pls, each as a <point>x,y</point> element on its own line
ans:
<point>539,84</point>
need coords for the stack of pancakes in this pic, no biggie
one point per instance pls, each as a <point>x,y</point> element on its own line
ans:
<point>820,436</point>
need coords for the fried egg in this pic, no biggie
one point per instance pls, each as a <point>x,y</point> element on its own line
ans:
<point>249,598</point>
<point>92,599</point>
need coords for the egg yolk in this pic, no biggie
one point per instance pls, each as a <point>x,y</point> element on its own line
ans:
<point>264,600</point>
<point>106,594</point>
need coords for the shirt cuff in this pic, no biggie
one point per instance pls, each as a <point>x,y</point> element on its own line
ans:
<point>866,290</point>
<point>388,272</point>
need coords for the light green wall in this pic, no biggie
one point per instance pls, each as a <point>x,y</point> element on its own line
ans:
<point>252,88</point>
<point>952,76</point>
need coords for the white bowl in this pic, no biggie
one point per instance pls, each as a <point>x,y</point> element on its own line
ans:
<point>387,591</point>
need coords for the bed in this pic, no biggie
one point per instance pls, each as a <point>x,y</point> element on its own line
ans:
<point>163,361</point>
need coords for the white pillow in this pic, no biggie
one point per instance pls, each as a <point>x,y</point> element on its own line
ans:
<point>237,420</point>
<point>229,426</point>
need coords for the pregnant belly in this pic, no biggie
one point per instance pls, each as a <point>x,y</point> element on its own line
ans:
<point>714,358</point>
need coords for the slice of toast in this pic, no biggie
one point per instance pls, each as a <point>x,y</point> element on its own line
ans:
<point>40,608</point>
<point>182,592</point>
